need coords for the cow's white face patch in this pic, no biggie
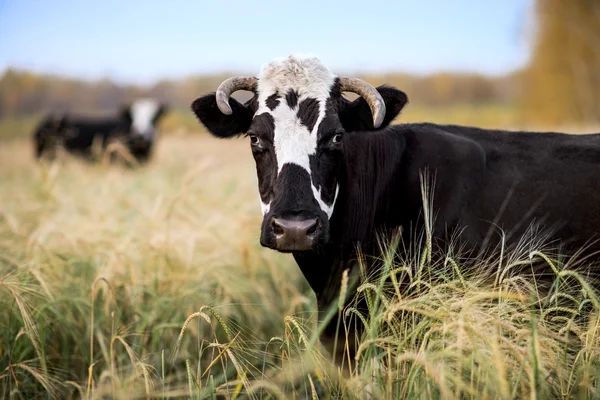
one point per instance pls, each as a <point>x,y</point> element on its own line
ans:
<point>294,142</point>
<point>143,112</point>
<point>265,207</point>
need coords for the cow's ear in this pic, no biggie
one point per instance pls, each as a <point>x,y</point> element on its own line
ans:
<point>222,125</point>
<point>356,115</point>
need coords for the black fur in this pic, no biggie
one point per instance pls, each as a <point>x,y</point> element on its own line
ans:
<point>272,101</point>
<point>308,112</point>
<point>475,172</point>
<point>356,115</point>
<point>266,165</point>
<point>326,161</point>
<point>224,126</point>
<point>292,98</point>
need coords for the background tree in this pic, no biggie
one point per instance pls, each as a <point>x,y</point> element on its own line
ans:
<point>561,85</point>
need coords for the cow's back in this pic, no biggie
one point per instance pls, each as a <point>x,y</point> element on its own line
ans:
<point>80,133</point>
<point>489,180</point>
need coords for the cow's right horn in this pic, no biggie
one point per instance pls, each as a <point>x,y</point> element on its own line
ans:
<point>228,86</point>
<point>369,93</point>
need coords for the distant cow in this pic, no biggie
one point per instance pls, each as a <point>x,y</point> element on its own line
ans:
<point>332,173</point>
<point>135,126</point>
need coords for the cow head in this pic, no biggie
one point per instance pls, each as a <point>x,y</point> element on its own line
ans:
<point>296,123</point>
<point>142,117</point>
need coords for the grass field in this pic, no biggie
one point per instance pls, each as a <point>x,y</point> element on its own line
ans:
<point>151,283</point>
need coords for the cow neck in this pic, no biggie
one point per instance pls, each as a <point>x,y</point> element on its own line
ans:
<point>370,200</point>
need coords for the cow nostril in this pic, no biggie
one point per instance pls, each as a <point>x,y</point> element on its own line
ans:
<point>277,228</point>
<point>281,227</point>
<point>294,234</point>
<point>312,229</point>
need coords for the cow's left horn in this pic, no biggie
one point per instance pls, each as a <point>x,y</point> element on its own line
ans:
<point>228,86</point>
<point>369,93</point>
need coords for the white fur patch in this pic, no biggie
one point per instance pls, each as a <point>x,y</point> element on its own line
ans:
<point>328,209</point>
<point>143,112</point>
<point>293,142</point>
<point>265,207</point>
<point>306,75</point>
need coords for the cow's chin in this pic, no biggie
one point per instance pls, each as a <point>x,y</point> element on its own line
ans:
<point>292,234</point>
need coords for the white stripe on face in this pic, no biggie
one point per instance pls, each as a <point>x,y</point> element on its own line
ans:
<point>142,114</point>
<point>328,209</point>
<point>264,207</point>
<point>293,142</point>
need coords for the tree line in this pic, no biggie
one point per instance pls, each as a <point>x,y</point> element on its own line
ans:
<point>25,93</point>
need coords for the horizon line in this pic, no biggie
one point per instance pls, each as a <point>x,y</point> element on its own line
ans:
<point>148,83</point>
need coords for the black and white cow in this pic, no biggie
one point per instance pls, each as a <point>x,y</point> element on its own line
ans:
<point>135,126</point>
<point>333,174</point>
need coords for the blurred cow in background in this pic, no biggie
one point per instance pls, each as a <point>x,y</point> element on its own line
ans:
<point>134,128</point>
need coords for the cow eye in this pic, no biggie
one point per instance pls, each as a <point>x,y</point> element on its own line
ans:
<point>254,141</point>
<point>337,138</point>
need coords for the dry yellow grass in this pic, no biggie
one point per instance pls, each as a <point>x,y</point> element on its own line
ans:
<point>151,283</point>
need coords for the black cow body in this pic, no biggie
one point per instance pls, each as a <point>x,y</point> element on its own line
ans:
<point>484,183</point>
<point>77,134</point>
<point>333,175</point>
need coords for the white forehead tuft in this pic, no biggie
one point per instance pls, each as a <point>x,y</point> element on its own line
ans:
<point>306,74</point>
<point>143,112</point>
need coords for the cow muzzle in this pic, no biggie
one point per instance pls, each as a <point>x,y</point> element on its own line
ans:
<point>297,234</point>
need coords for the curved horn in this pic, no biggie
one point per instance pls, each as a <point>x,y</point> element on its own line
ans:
<point>369,93</point>
<point>230,85</point>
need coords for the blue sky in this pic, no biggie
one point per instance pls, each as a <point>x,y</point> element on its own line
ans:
<point>143,41</point>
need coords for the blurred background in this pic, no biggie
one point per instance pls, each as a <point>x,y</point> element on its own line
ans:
<point>511,64</point>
